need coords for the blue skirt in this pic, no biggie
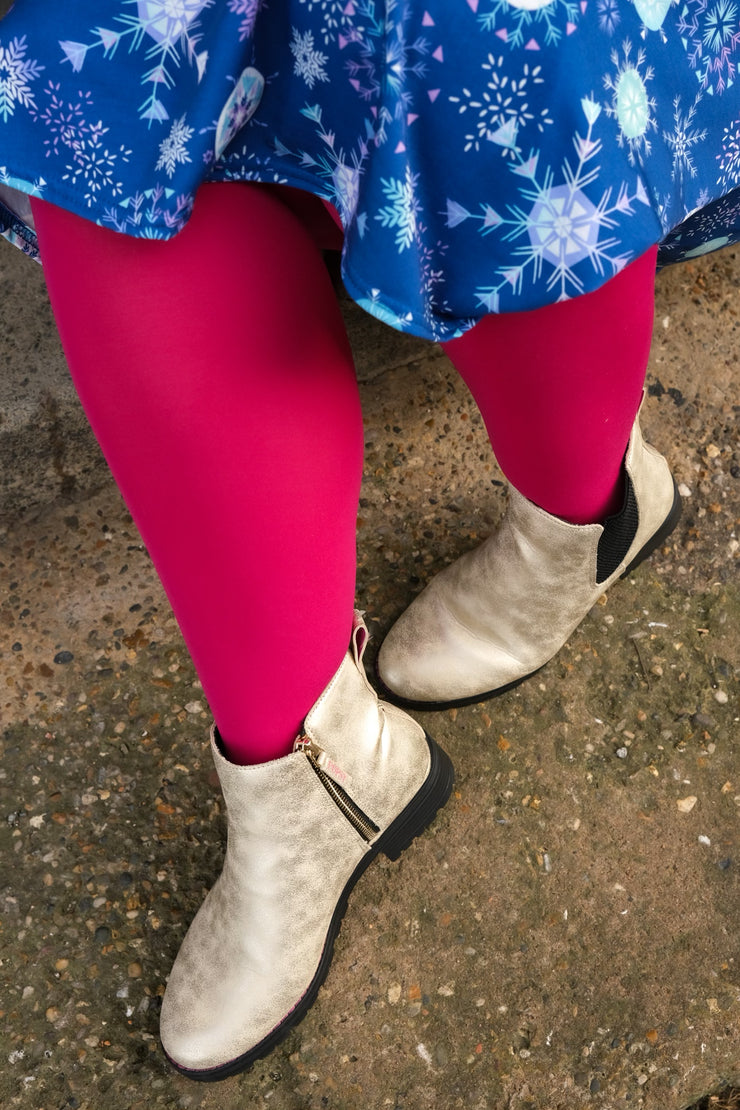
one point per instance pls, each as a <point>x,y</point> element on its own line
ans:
<point>483,155</point>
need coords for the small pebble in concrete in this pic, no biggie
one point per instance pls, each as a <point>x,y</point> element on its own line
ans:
<point>118,854</point>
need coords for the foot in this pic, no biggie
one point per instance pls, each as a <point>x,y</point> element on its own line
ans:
<point>362,779</point>
<point>502,611</point>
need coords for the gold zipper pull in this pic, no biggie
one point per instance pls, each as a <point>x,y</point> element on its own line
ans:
<point>322,760</point>
<point>334,780</point>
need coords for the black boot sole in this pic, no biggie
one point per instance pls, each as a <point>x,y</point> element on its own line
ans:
<point>411,821</point>
<point>655,541</point>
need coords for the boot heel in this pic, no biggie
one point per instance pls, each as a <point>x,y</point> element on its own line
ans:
<point>423,807</point>
<point>501,611</point>
<point>665,530</point>
<point>299,838</point>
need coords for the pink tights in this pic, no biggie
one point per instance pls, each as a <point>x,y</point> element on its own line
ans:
<point>216,373</point>
<point>559,389</point>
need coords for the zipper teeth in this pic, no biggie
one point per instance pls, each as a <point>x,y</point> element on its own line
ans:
<point>364,826</point>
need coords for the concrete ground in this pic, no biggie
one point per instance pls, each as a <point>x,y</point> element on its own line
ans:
<point>566,933</point>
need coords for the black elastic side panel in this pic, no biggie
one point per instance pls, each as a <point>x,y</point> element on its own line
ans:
<point>619,532</point>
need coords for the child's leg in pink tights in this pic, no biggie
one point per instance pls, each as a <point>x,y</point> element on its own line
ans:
<point>559,388</point>
<point>216,373</point>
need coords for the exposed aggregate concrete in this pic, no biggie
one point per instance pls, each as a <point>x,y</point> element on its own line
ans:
<point>566,933</point>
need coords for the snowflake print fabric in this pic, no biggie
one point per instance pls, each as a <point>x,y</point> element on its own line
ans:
<point>483,155</point>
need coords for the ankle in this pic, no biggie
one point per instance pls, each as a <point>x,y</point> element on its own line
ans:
<point>592,509</point>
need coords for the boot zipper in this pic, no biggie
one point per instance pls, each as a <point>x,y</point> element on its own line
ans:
<point>328,774</point>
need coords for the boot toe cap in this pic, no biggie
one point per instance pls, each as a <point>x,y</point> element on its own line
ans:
<point>208,1030</point>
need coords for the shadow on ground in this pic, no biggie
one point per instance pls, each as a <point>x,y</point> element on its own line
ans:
<point>565,935</point>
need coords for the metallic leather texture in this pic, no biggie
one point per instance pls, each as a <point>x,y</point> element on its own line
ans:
<point>257,941</point>
<point>504,609</point>
<point>350,706</point>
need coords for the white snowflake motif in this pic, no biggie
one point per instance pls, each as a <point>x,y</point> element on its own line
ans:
<point>173,149</point>
<point>630,105</point>
<point>711,36</point>
<point>333,16</point>
<point>713,226</point>
<point>683,139</point>
<point>65,122</point>
<point>340,170</point>
<point>558,226</point>
<point>234,166</point>
<point>171,24</point>
<point>403,211</point>
<point>309,63</point>
<point>530,17</point>
<point>720,26</point>
<point>16,71</point>
<point>505,101</point>
<point>166,21</point>
<point>609,16</point>
<point>403,60</point>
<point>729,159</point>
<point>93,167</point>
